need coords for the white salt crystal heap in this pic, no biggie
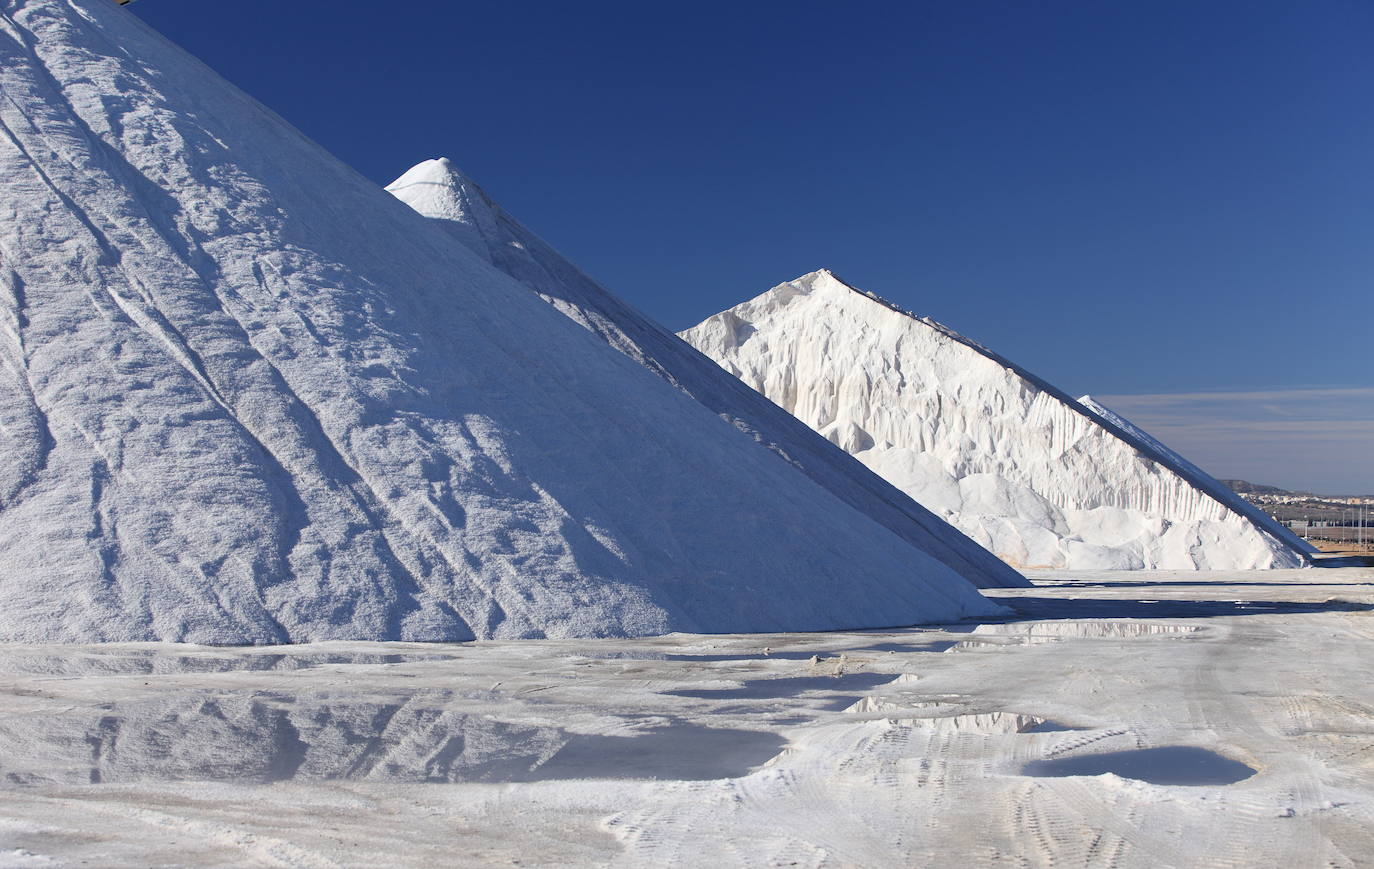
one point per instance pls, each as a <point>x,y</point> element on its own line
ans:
<point>437,189</point>
<point>1038,478</point>
<point>247,397</point>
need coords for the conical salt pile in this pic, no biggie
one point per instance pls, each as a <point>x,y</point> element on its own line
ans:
<point>1022,468</point>
<point>250,397</point>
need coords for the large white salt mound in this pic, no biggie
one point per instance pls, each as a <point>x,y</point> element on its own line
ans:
<point>249,397</point>
<point>437,189</point>
<point>1019,466</point>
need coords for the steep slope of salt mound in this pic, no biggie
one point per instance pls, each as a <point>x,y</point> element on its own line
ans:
<point>1151,446</point>
<point>249,397</point>
<point>437,189</point>
<point>1014,463</point>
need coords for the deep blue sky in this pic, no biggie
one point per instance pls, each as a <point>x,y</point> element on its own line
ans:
<point>1162,197</point>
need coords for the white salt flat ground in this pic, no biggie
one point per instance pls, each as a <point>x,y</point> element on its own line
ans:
<point>897,747</point>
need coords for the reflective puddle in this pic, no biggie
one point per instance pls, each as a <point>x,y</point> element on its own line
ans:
<point>1167,765</point>
<point>684,752</point>
<point>420,737</point>
<point>784,687</point>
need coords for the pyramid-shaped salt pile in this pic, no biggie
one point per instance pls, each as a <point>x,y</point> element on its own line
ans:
<point>1038,478</point>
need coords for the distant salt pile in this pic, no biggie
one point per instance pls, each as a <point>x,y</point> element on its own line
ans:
<point>1038,478</point>
<point>248,397</point>
<point>437,189</point>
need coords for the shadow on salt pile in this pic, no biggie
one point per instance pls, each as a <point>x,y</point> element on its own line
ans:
<point>1167,765</point>
<point>1046,608</point>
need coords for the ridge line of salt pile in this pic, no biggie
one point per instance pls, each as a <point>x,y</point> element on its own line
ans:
<point>248,397</point>
<point>1114,422</point>
<point>1148,444</point>
<point>1020,466</point>
<point>437,189</point>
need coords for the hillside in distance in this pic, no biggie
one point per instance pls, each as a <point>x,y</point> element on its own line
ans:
<point>1245,487</point>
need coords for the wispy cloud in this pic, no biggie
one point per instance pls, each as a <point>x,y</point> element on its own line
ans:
<point>1323,393</point>
<point>1319,439</point>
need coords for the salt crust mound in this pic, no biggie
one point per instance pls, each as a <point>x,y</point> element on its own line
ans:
<point>1022,468</point>
<point>437,189</point>
<point>249,397</point>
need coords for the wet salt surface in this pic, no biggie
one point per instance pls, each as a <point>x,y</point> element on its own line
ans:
<point>776,689</point>
<point>574,752</point>
<point>424,737</point>
<point>1166,765</point>
<point>141,662</point>
<point>478,712</point>
<point>682,752</point>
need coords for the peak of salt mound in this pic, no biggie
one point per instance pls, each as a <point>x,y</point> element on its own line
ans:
<point>248,397</point>
<point>436,189</point>
<point>1019,466</point>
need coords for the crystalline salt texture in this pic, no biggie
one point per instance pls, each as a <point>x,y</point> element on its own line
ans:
<point>1019,466</point>
<point>249,397</point>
